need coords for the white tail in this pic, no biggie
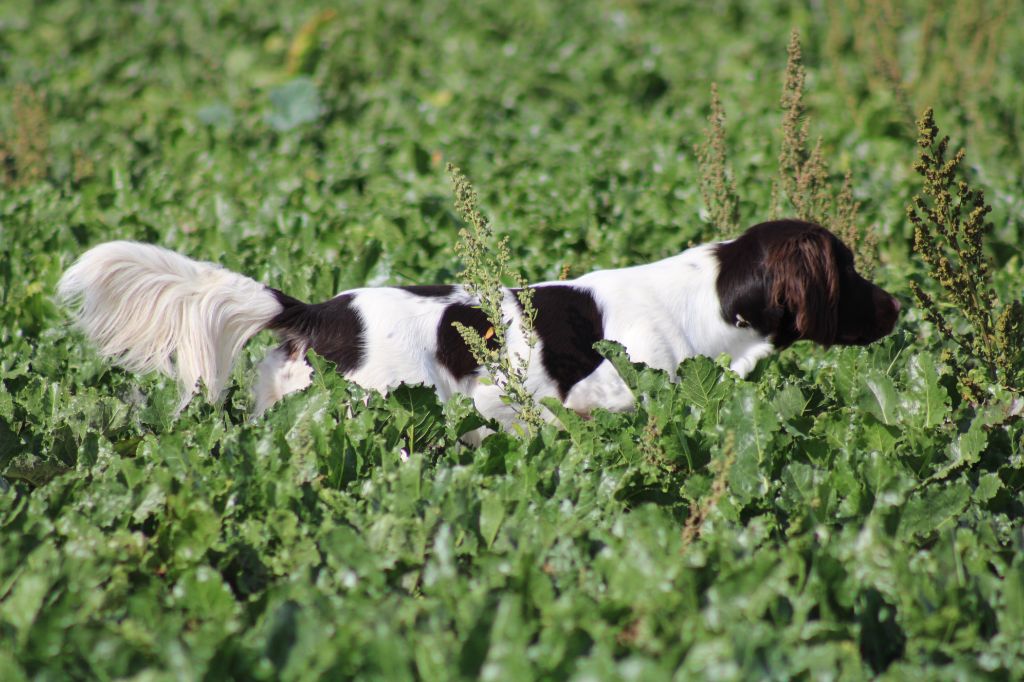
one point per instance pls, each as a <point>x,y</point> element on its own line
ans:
<point>149,309</point>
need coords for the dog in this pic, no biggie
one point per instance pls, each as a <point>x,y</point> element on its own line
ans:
<point>780,282</point>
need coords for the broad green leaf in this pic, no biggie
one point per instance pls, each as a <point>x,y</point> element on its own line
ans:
<point>9,668</point>
<point>6,404</point>
<point>615,353</point>
<point>492,512</point>
<point>988,487</point>
<point>509,641</point>
<point>34,470</point>
<point>967,447</point>
<point>294,103</point>
<point>878,437</point>
<point>203,593</point>
<point>799,492</point>
<point>20,607</point>
<point>927,399</point>
<point>879,397</point>
<point>152,501</point>
<point>750,423</point>
<point>1012,615</point>
<point>701,384</point>
<point>933,509</point>
<point>218,115</point>
<point>789,402</point>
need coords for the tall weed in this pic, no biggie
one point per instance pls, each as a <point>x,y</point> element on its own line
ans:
<point>717,182</point>
<point>804,178</point>
<point>486,262</point>
<point>25,148</point>
<point>803,185</point>
<point>949,218</point>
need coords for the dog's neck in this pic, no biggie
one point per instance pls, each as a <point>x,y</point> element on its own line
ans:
<point>666,311</point>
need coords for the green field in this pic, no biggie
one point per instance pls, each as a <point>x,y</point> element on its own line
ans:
<point>841,514</point>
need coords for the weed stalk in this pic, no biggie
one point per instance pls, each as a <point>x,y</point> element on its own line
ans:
<point>486,265</point>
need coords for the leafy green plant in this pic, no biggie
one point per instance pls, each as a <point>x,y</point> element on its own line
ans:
<point>950,225</point>
<point>869,525</point>
<point>293,104</point>
<point>699,509</point>
<point>485,268</point>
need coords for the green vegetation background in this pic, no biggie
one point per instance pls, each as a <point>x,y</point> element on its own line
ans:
<point>866,520</point>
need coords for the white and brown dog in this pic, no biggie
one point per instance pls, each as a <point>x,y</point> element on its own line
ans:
<point>148,309</point>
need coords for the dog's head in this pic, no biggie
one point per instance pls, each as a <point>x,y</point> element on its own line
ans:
<point>791,281</point>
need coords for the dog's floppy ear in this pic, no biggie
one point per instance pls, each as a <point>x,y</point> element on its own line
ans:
<point>804,278</point>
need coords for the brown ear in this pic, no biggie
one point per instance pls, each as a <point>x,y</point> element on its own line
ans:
<point>805,279</point>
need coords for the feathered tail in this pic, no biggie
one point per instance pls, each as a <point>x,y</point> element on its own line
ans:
<point>148,309</point>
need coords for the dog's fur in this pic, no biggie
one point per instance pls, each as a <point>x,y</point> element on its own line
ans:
<point>148,308</point>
